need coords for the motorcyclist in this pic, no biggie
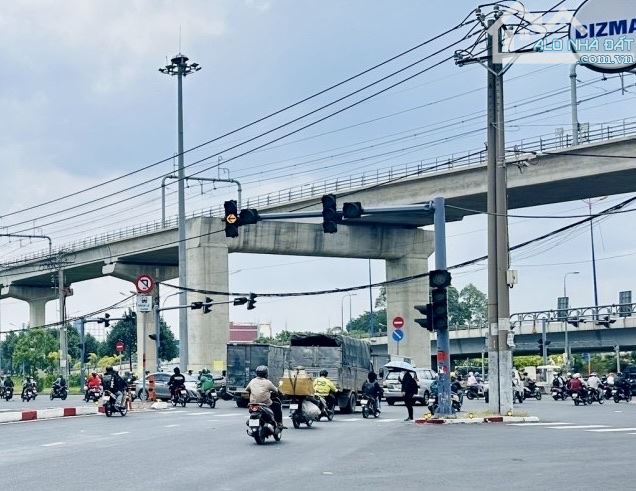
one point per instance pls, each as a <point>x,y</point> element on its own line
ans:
<point>206,382</point>
<point>115,384</point>
<point>28,383</point>
<point>176,382</point>
<point>558,381</point>
<point>472,380</point>
<point>8,382</point>
<point>325,389</point>
<point>261,389</point>
<point>93,382</point>
<point>611,379</point>
<point>60,382</point>
<point>594,382</point>
<point>577,385</point>
<point>372,389</point>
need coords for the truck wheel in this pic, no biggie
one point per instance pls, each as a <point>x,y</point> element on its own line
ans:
<point>353,401</point>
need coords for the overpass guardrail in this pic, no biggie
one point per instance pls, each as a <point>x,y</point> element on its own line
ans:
<point>597,133</point>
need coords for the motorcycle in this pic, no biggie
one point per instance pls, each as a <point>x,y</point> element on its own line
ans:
<point>58,392</point>
<point>210,398</point>
<point>475,391</point>
<point>29,394</point>
<point>328,409</point>
<point>607,390</point>
<point>109,401</point>
<point>6,393</point>
<point>456,401</point>
<point>92,394</point>
<point>621,394</point>
<point>303,411</point>
<point>369,407</point>
<point>559,393</point>
<point>180,396</point>
<point>517,392</point>
<point>596,395</point>
<point>261,424</point>
<point>532,391</point>
<point>582,397</point>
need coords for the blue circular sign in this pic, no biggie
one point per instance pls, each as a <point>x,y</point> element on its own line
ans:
<point>398,335</point>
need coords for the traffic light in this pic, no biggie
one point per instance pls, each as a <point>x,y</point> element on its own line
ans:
<point>104,320</point>
<point>152,336</point>
<point>239,301</point>
<point>606,321</point>
<point>540,345</point>
<point>427,321</point>
<point>439,278</point>
<point>352,210</point>
<point>196,305</point>
<point>330,216</point>
<point>231,219</point>
<point>207,306</point>
<point>251,302</point>
<point>248,216</point>
<point>439,281</point>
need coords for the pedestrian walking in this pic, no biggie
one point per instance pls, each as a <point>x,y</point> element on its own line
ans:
<point>409,388</point>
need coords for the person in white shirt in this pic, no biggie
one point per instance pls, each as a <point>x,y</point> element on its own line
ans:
<point>472,380</point>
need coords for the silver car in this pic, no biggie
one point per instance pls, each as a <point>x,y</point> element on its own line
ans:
<point>162,390</point>
<point>392,385</point>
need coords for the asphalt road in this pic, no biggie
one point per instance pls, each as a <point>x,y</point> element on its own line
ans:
<point>206,448</point>
<point>42,401</point>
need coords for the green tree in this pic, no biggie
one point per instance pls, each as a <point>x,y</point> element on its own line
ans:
<point>475,305</point>
<point>362,322</point>
<point>380,302</point>
<point>126,331</point>
<point>32,350</point>
<point>168,348</point>
<point>8,348</point>
<point>91,345</point>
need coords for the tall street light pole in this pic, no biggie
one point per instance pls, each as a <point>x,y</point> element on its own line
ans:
<point>566,344</point>
<point>179,66</point>
<point>342,309</point>
<point>589,207</point>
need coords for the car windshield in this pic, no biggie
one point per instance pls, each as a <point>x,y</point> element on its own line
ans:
<point>393,375</point>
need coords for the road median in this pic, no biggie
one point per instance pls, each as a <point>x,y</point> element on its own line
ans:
<point>50,413</point>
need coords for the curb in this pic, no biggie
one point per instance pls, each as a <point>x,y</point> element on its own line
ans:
<point>54,413</point>
<point>488,419</point>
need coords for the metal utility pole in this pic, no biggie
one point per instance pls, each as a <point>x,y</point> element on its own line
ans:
<point>63,342</point>
<point>371,323</point>
<point>566,347</point>
<point>575,105</point>
<point>443,342</point>
<point>544,337</point>
<point>589,204</point>
<point>179,66</point>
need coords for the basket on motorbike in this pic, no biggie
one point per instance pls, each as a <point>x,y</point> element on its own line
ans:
<point>296,382</point>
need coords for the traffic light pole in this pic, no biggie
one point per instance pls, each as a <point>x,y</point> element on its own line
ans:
<point>544,338</point>
<point>443,343</point>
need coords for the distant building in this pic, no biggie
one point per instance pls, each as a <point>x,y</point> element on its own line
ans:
<point>243,332</point>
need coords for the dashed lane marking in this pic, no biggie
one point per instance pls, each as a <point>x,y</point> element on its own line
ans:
<point>576,427</point>
<point>537,424</point>
<point>120,433</point>
<point>612,430</point>
<point>171,426</point>
<point>54,444</point>
<point>230,414</point>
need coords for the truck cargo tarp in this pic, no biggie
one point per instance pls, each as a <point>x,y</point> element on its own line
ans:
<point>356,352</point>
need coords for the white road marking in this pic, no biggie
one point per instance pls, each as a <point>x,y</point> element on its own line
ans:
<point>579,427</point>
<point>54,444</point>
<point>537,424</point>
<point>171,426</point>
<point>230,414</point>
<point>350,420</point>
<point>199,414</point>
<point>120,433</point>
<point>613,430</point>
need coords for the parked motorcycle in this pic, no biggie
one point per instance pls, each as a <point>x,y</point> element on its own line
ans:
<point>303,411</point>
<point>261,424</point>
<point>58,392</point>
<point>559,393</point>
<point>180,396</point>
<point>456,401</point>
<point>210,398</point>
<point>109,401</point>
<point>369,407</point>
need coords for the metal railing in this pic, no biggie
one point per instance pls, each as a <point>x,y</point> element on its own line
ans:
<point>592,134</point>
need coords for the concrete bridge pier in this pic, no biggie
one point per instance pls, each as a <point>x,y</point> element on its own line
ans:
<point>401,299</point>
<point>36,297</point>
<point>146,347</point>
<point>207,269</point>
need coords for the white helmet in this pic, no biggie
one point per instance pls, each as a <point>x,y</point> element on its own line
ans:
<point>577,375</point>
<point>470,374</point>
<point>593,374</point>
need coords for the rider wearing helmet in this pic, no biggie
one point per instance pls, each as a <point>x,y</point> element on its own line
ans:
<point>176,382</point>
<point>325,388</point>
<point>261,389</point>
<point>114,384</point>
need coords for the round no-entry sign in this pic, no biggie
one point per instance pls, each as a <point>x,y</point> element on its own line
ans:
<point>398,323</point>
<point>119,346</point>
<point>144,283</point>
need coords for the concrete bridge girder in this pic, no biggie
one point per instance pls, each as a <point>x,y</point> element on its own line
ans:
<point>207,262</point>
<point>36,297</point>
